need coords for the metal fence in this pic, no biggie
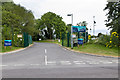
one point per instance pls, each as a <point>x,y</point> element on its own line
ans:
<point>66,39</point>
<point>27,39</point>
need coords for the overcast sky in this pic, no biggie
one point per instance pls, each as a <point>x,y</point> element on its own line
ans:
<point>82,10</point>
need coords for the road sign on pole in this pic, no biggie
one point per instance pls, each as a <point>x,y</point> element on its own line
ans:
<point>7,42</point>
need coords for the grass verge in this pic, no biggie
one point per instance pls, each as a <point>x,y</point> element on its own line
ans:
<point>50,41</point>
<point>8,49</point>
<point>97,49</point>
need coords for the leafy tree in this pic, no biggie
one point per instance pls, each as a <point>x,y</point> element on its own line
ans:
<point>113,16</point>
<point>99,34</point>
<point>83,23</point>
<point>16,18</point>
<point>51,24</point>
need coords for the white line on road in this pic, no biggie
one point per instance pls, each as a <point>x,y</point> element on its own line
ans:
<point>107,62</point>
<point>45,60</point>
<point>65,62</point>
<point>19,65</point>
<point>93,63</point>
<point>45,50</point>
<point>80,63</point>
<point>51,62</point>
<point>34,64</point>
<point>77,61</point>
<point>3,65</point>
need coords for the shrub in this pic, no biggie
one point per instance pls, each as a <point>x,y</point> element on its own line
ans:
<point>109,40</point>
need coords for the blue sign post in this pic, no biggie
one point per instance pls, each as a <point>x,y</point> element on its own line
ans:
<point>80,41</point>
<point>7,42</point>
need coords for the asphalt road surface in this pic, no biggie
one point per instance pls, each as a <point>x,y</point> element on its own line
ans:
<point>47,60</point>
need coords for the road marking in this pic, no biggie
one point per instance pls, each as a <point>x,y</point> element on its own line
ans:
<point>34,64</point>
<point>51,62</point>
<point>45,50</point>
<point>115,61</point>
<point>3,65</point>
<point>107,62</point>
<point>80,63</point>
<point>19,65</point>
<point>77,61</point>
<point>65,62</point>
<point>93,63</point>
<point>45,60</point>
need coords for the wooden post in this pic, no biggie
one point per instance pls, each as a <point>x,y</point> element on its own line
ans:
<point>4,47</point>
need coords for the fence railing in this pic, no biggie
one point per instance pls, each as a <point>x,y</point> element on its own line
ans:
<point>66,39</point>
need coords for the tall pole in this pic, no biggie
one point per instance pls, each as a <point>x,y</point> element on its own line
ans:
<point>71,31</point>
<point>94,25</point>
<point>12,36</point>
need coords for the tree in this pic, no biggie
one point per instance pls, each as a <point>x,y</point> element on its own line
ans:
<point>16,18</point>
<point>50,24</point>
<point>113,16</point>
<point>99,34</point>
<point>83,23</point>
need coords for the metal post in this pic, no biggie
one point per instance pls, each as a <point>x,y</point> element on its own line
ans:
<point>71,31</point>
<point>93,25</point>
<point>85,36</point>
<point>12,36</point>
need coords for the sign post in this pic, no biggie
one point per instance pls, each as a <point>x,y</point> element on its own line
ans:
<point>80,29</point>
<point>7,43</point>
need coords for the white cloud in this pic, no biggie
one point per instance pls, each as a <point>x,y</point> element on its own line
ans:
<point>83,10</point>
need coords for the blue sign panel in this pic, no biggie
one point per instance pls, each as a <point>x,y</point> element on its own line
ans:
<point>80,41</point>
<point>7,42</point>
<point>79,28</point>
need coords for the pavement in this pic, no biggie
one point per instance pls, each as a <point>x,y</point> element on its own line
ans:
<point>47,60</point>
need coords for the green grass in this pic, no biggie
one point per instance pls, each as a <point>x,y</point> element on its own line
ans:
<point>9,49</point>
<point>97,49</point>
<point>50,41</point>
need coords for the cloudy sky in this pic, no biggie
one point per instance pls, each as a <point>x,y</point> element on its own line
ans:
<point>82,10</point>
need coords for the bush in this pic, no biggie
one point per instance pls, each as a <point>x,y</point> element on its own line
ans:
<point>109,40</point>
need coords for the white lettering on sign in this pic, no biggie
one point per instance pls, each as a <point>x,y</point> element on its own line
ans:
<point>7,43</point>
<point>19,36</point>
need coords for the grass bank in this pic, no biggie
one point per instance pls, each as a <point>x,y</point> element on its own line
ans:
<point>97,49</point>
<point>8,49</point>
<point>50,41</point>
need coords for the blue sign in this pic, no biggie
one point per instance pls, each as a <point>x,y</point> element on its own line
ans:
<point>80,41</point>
<point>79,28</point>
<point>7,42</point>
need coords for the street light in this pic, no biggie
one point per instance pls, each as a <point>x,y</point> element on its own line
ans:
<point>71,29</point>
<point>94,22</point>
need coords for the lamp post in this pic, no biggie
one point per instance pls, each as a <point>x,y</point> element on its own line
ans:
<point>71,29</point>
<point>94,25</point>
